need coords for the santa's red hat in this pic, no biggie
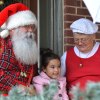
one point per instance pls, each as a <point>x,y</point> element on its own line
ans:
<point>15,15</point>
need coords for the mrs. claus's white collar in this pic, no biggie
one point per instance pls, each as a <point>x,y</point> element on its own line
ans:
<point>91,53</point>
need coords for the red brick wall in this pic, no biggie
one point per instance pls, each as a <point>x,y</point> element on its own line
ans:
<point>73,10</point>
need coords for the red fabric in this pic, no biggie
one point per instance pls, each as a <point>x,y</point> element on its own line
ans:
<point>89,71</point>
<point>4,95</point>
<point>10,68</point>
<point>10,10</point>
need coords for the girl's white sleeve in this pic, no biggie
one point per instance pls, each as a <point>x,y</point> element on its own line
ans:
<point>63,64</point>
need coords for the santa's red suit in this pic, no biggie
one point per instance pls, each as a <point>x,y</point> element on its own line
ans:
<point>13,72</point>
<point>89,70</point>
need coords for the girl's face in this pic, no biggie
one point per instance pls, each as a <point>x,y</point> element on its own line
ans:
<point>53,69</point>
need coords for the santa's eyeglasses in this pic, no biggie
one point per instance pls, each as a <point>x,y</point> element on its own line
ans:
<point>32,26</point>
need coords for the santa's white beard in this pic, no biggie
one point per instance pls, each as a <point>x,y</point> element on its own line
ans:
<point>25,48</point>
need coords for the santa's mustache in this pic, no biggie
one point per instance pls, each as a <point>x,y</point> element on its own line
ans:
<point>19,35</point>
<point>30,36</point>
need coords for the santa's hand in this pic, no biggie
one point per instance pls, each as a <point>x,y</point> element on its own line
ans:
<point>22,89</point>
<point>26,90</point>
<point>31,90</point>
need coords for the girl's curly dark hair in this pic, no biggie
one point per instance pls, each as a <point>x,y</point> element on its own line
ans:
<point>46,55</point>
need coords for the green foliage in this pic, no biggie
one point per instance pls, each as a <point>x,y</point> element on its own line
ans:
<point>17,93</point>
<point>1,2</point>
<point>91,92</point>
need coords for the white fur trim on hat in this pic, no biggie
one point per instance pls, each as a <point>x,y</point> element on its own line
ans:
<point>4,33</point>
<point>21,18</point>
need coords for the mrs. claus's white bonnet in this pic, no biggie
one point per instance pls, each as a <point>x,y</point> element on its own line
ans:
<point>84,26</point>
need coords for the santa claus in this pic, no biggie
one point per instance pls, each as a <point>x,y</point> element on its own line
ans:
<point>18,47</point>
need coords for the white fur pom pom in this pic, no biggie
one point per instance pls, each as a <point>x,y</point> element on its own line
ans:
<point>4,33</point>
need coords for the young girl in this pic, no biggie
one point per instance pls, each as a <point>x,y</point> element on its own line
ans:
<point>50,64</point>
